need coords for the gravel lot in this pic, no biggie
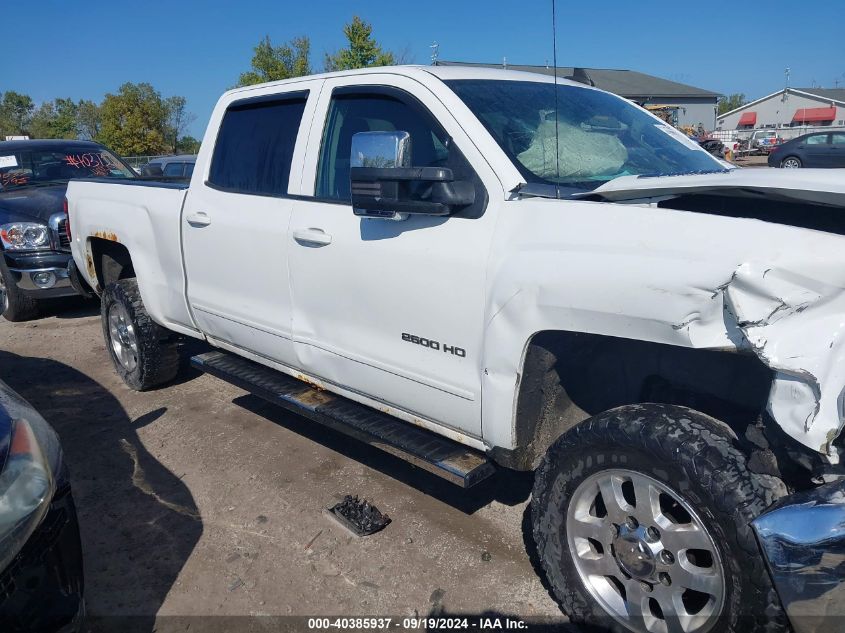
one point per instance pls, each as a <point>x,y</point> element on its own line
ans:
<point>197,499</point>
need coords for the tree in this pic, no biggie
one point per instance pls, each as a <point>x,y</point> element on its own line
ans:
<point>731,102</point>
<point>55,119</point>
<point>88,120</point>
<point>134,121</point>
<point>187,145</point>
<point>178,119</point>
<point>15,114</point>
<point>272,63</point>
<point>363,51</point>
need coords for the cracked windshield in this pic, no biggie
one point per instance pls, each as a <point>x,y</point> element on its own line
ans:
<point>601,136</point>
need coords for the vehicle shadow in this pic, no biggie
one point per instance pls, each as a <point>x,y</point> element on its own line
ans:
<point>505,486</point>
<point>69,307</point>
<point>138,521</point>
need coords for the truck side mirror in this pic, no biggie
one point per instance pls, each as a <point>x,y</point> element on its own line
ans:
<point>385,185</point>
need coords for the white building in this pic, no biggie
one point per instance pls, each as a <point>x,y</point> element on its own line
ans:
<point>796,108</point>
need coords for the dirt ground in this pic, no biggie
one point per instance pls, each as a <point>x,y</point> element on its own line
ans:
<point>197,499</point>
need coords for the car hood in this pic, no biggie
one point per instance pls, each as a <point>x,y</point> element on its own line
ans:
<point>818,186</point>
<point>31,203</point>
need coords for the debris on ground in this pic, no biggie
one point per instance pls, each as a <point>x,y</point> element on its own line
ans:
<point>360,517</point>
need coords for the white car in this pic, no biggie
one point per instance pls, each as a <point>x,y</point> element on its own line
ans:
<point>476,268</point>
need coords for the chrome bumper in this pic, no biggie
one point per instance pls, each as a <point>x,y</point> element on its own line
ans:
<point>803,540</point>
<point>42,279</point>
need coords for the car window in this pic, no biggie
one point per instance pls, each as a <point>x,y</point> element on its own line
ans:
<point>838,138</point>
<point>350,114</point>
<point>816,139</point>
<point>32,165</point>
<point>173,170</point>
<point>189,170</point>
<point>255,145</point>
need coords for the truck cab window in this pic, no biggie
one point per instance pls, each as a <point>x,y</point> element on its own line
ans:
<point>173,170</point>
<point>350,114</point>
<point>255,145</point>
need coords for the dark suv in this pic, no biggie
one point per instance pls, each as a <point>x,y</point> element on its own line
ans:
<point>34,241</point>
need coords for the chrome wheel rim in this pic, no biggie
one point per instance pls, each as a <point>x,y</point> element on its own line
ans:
<point>124,342</point>
<point>644,555</point>
<point>791,163</point>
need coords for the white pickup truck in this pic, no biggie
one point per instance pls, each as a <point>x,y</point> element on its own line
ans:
<point>479,269</point>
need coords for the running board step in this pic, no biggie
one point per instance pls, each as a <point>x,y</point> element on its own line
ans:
<point>450,460</point>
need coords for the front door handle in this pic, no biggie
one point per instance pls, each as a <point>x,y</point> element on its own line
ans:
<point>198,218</point>
<point>312,237</point>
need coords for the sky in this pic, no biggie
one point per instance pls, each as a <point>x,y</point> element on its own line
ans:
<point>197,48</point>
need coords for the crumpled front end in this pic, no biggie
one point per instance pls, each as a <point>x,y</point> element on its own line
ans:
<point>803,540</point>
<point>795,325</point>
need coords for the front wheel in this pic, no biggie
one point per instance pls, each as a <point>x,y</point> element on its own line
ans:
<point>642,519</point>
<point>14,304</point>
<point>144,353</point>
<point>791,162</point>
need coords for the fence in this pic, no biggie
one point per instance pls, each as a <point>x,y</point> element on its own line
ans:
<point>786,133</point>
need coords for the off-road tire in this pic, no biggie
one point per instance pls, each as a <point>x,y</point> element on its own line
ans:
<point>21,307</point>
<point>693,455</point>
<point>158,355</point>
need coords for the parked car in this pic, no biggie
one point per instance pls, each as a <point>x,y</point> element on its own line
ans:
<point>41,582</point>
<point>762,141</point>
<point>823,149</point>
<point>652,332</point>
<point>34,243</point>
<point>170,167</point>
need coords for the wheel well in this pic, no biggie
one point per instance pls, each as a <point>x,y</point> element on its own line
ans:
<point>568,377</point>
<point>111,261</point>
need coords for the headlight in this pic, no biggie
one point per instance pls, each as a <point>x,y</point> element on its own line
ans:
<point>26,488</point>
<point>24,236</point>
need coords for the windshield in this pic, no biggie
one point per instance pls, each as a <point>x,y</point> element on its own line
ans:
<point>30,167</point>
<point>600,136</point>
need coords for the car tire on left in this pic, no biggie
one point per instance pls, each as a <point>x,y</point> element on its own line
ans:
<point>14,304</point>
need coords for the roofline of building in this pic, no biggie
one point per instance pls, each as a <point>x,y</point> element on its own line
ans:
<point>703,94</point>
<point>793,90</point>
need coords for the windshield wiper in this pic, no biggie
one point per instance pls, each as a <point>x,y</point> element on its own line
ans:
<point>548,190</point>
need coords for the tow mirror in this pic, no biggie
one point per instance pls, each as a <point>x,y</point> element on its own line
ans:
<point>384,184</point>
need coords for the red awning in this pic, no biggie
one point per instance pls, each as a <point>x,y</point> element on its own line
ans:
<point>748,118</point>
<point>814,115</point>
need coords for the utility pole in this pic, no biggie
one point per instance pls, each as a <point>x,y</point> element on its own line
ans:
<point>786,86</point>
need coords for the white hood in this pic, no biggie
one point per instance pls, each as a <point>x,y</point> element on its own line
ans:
<point>819,186</point>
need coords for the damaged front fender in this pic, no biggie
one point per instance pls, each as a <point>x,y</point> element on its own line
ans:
<point>795,325</point>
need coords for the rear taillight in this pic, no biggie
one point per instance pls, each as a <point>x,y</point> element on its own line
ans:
<point>67,222</point>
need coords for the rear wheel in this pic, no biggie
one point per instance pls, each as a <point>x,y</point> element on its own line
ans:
<point>642,521</point>
<point>791,162</point>
<point>144,353</point>
<point>14,304</point>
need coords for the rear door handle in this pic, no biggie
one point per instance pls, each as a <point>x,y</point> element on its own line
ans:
<point>312,237</point>
<point>198,218</point>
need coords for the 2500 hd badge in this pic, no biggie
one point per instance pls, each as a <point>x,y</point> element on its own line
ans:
<point>435,345</point>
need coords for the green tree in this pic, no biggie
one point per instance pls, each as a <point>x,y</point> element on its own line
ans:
<point>55,119</point>
<point>731,102</point>
<point>15,113</point>
<point>134,121</point>
<point>178,120</point>
<point>362,52</point>
<point>272,63</point>
<point>187,145</point>
<point>88,120</point>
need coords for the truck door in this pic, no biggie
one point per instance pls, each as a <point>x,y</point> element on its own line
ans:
<point>391,309</point>
<point>235,223</point>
